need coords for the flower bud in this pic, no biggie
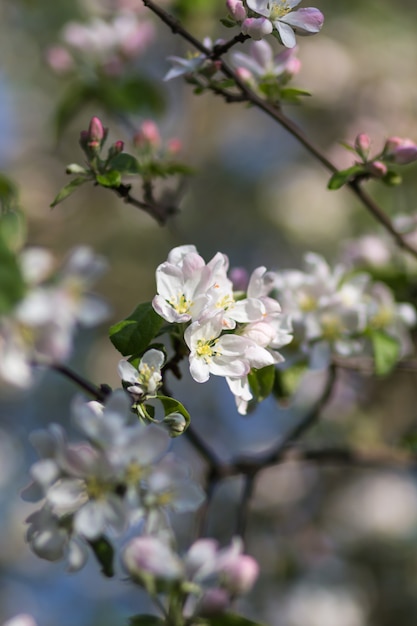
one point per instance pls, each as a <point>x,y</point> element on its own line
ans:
<point>239,574</point>
<point>149,556</point>
<point>174,145</point>
<point>175,424</point>
<point>245,75</point>
<point>213,602</point>
<point>74,168</point>
<point>148,136</point>
<point>362,145</point>
<point>96,132</point>
<point>378,169</point>
<point>400,151</point>
<point>116,149</point>
<point>237,10</point>
<point>256,27</point>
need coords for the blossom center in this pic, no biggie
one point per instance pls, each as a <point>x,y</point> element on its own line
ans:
<point>382,319</point>
<point>307,302</point>
<point>278,9</point>
<point>180,304</point>
<point>331,327</point>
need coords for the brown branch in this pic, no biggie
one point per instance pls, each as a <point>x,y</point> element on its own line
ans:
<point>276,114</point>
<point>99,393</point>
<point>159,212</point>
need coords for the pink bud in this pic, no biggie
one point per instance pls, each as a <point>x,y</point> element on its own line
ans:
<point>377,169</point>
<point>174,145</point>
<point>118,146</point>
<point>362,144</point>
<point>59,59</point>
<point>400,151</point>
<point>245,75</point>
<point>237,10</point>
<point>240,278</point>
<point>256,27</point>
<point>239,574</point>
<point>147,136</point>
<point>96,131</point>
<point>213,602</point>
<point>150,556</point>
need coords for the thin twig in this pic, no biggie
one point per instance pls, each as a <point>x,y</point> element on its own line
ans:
<point>159,212</point>
<point>97,392</point>
<point>245,499</point>
<point>276,114</point>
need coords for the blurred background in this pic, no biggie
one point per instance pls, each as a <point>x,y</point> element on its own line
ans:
<point>336,544</point>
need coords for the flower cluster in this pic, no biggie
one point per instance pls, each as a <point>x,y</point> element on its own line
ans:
<point>103,44</point>
<point>42,323</point>
<point>259,18</point>
<point>119,475</point>
<point>265,72</point>
<point>227,333</point>
<point>207,578</point>
<point>337,310</point>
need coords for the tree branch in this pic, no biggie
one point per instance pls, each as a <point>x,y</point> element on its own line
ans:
<point>276,114</point>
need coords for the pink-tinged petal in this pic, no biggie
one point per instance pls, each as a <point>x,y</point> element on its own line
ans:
<point>169,280</point>
<point>260,6</point>
<point>247,310</point>
<point>236,10</point>
<point>236,368</point>
<point>167,312</point>
<point>286,34</point>
<point>256,27</point>
<point>261,52</point>
<point>306,21</point>
<point>177,254</point>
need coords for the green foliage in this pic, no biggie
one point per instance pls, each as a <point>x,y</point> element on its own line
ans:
<point>134,334</point>
<point>262,382</point>
<point>104,553</point>
<point>13,228</point>
<point>230,619</point>
<point>12,285</point>
<point>288,380</point>
<point>112,178</point>
<point>345,176</point>
<point>386,351</point>
<point>174,406</point>
<point>69,189</point>
<point>125,164</point>
<point>8,193</point>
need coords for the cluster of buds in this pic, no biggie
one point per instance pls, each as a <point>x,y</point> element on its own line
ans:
<point>206,578</point>
<point>147,140</point>
<point>104,45</point>
<point>259,18</point>
<point>119,474</point>
<point>93,140</point>
<point>396,151</point>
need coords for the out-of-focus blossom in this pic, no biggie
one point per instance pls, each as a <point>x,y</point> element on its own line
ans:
<point>103,44</point>
<point>193,63</point>
<point>400,151</point>
<point>23,619</point>
<point>237,10</point>
<point>280,15</point>
<point>263,64</point>
<point>42,324</point>
<point>103,485</point>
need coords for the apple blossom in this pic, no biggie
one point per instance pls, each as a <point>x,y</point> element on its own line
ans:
<point>280,15</point>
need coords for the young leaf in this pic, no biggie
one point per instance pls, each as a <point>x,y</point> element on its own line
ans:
<point>134,334</point>
<point>125,164</point>
<point>104,553</point>
<point>344,176</point>
<point>69,189</point>
<point>386,352</point>
<point>261,382</point>
<point>173,406</point>
<point>230,619</point>
<point>12,285</point>
<point>112,178</point>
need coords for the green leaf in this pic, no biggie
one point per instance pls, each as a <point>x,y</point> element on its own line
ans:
<point>228,22</point>
<point>104,553</point>
<point>287,381</point>
<point>174,406</point>
<point>146,620</point>
<point>261,382</point>
<point>230,619</point>
<point>113,178</point>
<point>125,164</point>
<point>392,179</point>
<point>12,285</point>
<point>344,176</point>
<point>69,189</point>
<point>8,192</point>
<point>386,351</point>
<point>13,229</point>
<point>134,334</point>
<point>292,94</point>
